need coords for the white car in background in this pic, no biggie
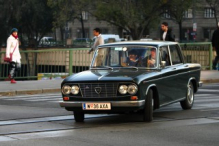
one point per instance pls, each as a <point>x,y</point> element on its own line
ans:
<point>109,38</point>
<point>47,41</point>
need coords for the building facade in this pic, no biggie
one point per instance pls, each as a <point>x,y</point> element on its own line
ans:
<point>198,25</point>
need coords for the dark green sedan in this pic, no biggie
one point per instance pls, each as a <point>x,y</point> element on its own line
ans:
<point>137,76</point>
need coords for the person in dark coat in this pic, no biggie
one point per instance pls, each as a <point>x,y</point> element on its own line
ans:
<point>215,45</point>
<point>166,34</point>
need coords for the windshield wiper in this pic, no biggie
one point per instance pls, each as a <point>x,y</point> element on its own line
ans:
<point>130,67</point>
<point>103,67</point>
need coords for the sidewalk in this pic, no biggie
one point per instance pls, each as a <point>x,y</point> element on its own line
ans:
<point>50,86</point>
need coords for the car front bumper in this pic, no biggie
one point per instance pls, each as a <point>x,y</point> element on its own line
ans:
<point>72,104</point>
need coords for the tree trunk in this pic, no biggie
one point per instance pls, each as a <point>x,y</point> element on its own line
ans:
<point>180,31</point>
<point>82,26</point>
<point>61,31</point>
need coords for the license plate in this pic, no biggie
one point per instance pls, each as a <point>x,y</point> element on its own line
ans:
<point>96,106</point>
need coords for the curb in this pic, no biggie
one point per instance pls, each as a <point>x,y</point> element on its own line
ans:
<point>208,81</point>
<point>8,93</point>
<point>30,92</point>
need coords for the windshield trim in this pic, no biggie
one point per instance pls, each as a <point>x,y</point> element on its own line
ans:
<point>144,46</point>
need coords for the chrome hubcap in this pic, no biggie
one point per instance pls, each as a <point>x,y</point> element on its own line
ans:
<point>190,94</point>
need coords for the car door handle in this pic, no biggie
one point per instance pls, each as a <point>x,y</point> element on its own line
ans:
<point>186,66</point>
<point>174,68</point>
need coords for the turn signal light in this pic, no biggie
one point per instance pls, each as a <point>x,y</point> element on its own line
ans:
<point>134,97</point>
<point>65,98</point>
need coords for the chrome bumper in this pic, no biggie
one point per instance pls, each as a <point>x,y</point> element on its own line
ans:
<point>138,103</point>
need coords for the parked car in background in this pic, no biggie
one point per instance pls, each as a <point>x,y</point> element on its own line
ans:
<point>47,42</point>
<point>82,42</point>
<point>109,38</point>
<point>132,76</point>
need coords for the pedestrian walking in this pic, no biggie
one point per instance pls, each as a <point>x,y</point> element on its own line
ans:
<point>98,40</point>
<point>166,34</point>
<point>215,45</point>
<point>12,51</point>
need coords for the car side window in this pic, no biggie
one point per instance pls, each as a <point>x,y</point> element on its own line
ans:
<point>164,55</point>
<point>175,54</point>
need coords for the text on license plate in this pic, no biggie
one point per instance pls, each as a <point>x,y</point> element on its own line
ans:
<point>96,106</point>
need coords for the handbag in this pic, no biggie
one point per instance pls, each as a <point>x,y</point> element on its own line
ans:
<point>6,59</point>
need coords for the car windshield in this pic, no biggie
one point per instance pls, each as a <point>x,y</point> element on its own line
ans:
<point>125,57</point>
<point>51,39</point>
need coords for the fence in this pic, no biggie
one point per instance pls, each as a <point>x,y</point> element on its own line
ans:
<point>59,63</point>
<point>198,53</point>
<point>49,63</point>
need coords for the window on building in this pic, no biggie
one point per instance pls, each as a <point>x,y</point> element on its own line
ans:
<point>85,15</point>
<point>188,13</point>
<point>209,13</point>
<point>166,13</point>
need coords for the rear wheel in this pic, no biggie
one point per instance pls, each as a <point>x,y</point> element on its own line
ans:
<point>188,102</point>
<point>79,116</point>
<point>149,105</point>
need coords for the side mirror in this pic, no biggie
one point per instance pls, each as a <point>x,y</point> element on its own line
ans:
<point>163,64</point>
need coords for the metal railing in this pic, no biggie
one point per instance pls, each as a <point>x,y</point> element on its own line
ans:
<point>49,63</point>
<point>198,53</point>
<point>59,63</point>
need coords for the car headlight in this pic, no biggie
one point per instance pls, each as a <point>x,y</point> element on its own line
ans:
<point>66,89</point>
<point>132,89</point>
<point>74,89</point>
<point>123,89</point>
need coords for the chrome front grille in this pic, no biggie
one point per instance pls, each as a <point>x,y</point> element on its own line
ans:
<point>99,89</point>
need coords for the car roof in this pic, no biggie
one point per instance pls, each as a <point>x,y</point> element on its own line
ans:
<point>143,42</point>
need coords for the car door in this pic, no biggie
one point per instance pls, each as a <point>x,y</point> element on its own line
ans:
<point>167,83</point>
<point>179,73</point>
<point>172,86</point>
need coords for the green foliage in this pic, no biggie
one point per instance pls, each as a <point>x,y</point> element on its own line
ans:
<point>33,18</point>
<point>66,10</point>
<point>133,16</point>
<point>177,9</point>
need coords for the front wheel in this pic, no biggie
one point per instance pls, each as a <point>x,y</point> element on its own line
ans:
<point>188,102</point>
<point>149,105</point>
<point>79,116</point>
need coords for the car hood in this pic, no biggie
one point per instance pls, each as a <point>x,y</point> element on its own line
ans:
<point>107,75</point>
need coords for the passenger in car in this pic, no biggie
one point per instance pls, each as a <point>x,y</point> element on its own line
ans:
<point>150,61</point>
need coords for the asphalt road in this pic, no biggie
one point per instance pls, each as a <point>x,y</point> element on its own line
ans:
<point>38,120</point>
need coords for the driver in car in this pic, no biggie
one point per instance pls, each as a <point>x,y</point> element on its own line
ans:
<point>132,59</point>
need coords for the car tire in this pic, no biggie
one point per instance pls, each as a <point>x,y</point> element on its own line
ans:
<point>149,106</point>
<point>188,102</point>
<point>79,116</point>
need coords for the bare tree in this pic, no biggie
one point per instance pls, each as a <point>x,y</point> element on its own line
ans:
<point>177,9</point>
<point>135,17</point>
